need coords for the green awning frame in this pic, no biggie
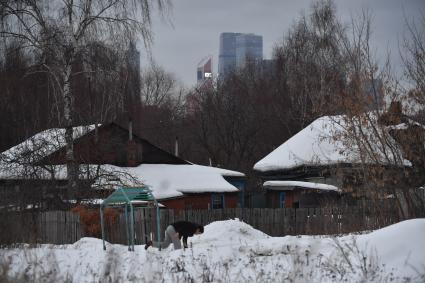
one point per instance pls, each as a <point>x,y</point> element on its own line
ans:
<point>128,197</point>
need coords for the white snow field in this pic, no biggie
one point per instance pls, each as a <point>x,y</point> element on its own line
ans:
<point>231,251</point>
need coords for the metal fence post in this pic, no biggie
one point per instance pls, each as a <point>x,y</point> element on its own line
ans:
<point>102,227</point>
<point>158,224</point>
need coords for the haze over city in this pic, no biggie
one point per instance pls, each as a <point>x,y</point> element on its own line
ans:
<point>196,25</point>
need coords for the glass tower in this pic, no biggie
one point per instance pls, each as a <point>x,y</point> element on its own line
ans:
<point>227,53</point>
<point>249,47</point>
<point>236,49</point>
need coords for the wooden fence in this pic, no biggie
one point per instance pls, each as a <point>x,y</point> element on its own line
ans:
<point>55,227</point>
<point>274,222</point>
<point>60,227</point>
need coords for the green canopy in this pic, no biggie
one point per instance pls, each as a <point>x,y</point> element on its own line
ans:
<point>127,197</point>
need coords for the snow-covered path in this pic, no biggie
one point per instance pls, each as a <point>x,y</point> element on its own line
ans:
<point>232,251</point>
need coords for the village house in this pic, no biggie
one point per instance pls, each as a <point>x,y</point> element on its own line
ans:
<point>110,156</point>
<point>314,168</point>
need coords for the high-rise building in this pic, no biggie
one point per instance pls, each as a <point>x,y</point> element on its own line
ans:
<point>204,70</point>
<point>227,53</point>
<point>236,49</point>
<point>133,69</point>
<point>133,58</point>
<point>249,47</point>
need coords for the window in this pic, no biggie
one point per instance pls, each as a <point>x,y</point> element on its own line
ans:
<point>282,199</point>
<point>217,201</point>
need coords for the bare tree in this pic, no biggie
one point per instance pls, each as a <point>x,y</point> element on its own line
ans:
<point>388,143</point>
<point>99,88</point>
<point>327,68</point>
<point>414,61</point>
<point>62,30</point>
<point>311,65</point>
<point>231,119</point>
<point>160,112</point>
<point>157,86</point>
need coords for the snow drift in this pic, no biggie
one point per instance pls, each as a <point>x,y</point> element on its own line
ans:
<point>232,251</point>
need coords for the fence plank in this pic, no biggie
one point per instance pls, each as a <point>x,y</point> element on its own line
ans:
<point>63,227</point>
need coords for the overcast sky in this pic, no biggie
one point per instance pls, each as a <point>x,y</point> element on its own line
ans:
<point>197,24</point>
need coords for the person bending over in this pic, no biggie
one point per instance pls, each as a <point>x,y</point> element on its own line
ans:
<point>174,233</point>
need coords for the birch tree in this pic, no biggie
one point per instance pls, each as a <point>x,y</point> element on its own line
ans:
<point>311,66</point>
<point>60,31</point>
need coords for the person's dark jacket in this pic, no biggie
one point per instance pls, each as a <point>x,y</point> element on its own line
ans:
<point>185,229</point>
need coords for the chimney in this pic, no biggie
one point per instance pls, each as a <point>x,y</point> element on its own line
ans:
<point>131,147</point>
<point>176,147</point>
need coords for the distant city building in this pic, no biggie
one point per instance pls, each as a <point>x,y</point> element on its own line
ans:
<point>266,67</point>
<point>227,53</point>
<point>133,69</point>
<point>249,47</point>
<point>204,70</point>
<point>269,63</point>
<point>133,58</point>
<point>236,49</point>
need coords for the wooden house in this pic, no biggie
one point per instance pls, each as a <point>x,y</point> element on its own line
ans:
<point>111,155</point>
<point>313,168</point>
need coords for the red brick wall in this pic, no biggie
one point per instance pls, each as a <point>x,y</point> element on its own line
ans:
<point>199,201</point>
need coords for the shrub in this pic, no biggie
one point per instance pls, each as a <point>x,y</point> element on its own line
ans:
<point>90,219</point>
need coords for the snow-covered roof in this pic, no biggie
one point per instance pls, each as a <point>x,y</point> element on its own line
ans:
<point>310,146</point>
<point>290,185</point>
<point>325,142</point>
<point>168,180</point>
<point>18,161</point>
<point>41,145</point>
<point>165,180</point>
<point>405,126</point>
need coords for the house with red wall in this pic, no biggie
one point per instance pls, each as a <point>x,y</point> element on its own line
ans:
<point>110,156</point>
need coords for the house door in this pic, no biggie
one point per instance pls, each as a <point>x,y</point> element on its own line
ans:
<point>282,199</point>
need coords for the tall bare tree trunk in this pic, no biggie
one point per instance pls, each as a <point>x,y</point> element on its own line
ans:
<point>71,166</point>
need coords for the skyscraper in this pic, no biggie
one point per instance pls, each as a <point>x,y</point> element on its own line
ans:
<point>249,47</point>
<point>227,53</point>
<point>236,49</point>
<point>204,70</point>
<point>133,68</point>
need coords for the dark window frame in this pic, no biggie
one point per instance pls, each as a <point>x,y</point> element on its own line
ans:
<point>218,201</point>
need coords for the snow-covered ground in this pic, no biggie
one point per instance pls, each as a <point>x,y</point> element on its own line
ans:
<point>232,251</point>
